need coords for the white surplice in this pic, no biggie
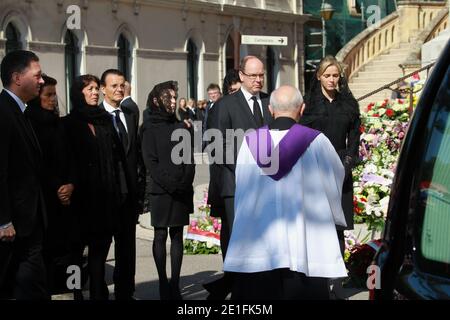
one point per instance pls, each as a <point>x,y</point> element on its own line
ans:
<point>289,223</point>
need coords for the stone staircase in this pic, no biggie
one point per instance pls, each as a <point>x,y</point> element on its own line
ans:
<point>378,72</point>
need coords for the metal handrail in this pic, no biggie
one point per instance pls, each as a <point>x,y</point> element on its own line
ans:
<point>388,86</point>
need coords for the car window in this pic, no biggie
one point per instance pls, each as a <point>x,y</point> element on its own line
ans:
<point>433,207</point>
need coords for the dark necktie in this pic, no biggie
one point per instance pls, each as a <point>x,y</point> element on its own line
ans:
<point>123,135</point>
<point>257,113</point>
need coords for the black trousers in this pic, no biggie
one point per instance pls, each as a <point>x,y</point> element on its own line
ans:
<point>97,253</point>
<point>279,284</point>
<point>25,277</point>
<point>220,288</point>
<point>125,254</point>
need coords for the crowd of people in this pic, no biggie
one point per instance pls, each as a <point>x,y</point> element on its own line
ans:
<point>81,181</point>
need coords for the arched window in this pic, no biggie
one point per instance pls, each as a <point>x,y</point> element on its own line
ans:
<point>229,54</point>
<point>271,70</point>
<point>192,69</point>
<point>124,56</point>
<point>12,39</point>
<point>71,62</point>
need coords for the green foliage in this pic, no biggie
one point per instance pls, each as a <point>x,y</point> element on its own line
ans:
<point>200,247</point>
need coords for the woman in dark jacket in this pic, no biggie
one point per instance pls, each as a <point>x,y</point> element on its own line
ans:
<point>98,158</point>
<point>171,191</point>
<point>332,109</point>
<point>57,182</point>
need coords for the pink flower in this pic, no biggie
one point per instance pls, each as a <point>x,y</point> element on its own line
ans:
<point>401,135</point>
<point>194,224</point>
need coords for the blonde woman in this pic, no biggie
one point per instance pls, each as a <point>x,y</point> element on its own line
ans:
<point>332,109</point>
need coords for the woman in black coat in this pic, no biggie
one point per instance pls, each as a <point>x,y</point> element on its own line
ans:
<point>171,191</point>
<point>332,109</point>
<point>57,183</point>
<point>98,157</point>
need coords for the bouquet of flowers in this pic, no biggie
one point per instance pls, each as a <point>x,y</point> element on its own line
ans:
<point>203,234</point>
<point>384,125</point>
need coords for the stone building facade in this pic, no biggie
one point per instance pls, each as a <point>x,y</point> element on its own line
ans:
<point>191,41</point>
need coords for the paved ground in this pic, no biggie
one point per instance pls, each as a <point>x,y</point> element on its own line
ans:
<point>196,269</point>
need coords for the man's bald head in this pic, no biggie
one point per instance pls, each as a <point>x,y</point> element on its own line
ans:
<point>286,101</point>
<point>286,98</point>
<point>127,89</point>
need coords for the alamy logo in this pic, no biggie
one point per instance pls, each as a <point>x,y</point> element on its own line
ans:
<point>74,20</point>
<point>74,278</point>
<point>374,277</point>
<point>374,16</point>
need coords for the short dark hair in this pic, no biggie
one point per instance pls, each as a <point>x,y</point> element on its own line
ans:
<point>231,77</point>
<point>108,72</point>
<point>48,81</point>
<point>15,61</point>
<point>213,86</point>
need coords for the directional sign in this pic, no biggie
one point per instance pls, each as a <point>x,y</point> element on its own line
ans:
<point>264,40</point>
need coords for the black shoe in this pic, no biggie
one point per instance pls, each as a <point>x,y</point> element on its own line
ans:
<point>218,289</point>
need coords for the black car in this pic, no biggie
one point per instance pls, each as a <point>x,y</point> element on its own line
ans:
<point>414,258</point>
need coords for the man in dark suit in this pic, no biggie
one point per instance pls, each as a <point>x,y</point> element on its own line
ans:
<point>128,103</point>
<point>214,95</point>
<point>125,121</point>
<point>22,208</point>
<point>246,109</point>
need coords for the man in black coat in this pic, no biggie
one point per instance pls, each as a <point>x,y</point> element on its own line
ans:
<point>22,208</point>
<point>128,103</point>
<point>125,121</point>
<point>246,109</point>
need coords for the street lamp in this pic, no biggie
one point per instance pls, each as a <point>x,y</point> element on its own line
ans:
<point>326,12</point>
<point>362,14</point>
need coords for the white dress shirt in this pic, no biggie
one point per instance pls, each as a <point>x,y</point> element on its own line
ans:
<point>112,110</point>
<point>248,97</point>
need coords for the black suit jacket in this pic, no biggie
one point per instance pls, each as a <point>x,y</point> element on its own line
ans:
<point>21,198</point>
<point>234,113</point>
<point>130,105</point>
<point>132,152</point>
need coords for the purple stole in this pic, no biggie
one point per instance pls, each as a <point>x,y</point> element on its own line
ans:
<point>288,151</point>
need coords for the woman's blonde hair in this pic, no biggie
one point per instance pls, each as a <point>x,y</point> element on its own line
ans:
<point>329,61</point>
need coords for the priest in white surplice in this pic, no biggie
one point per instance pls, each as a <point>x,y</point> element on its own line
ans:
<point>288,199</point>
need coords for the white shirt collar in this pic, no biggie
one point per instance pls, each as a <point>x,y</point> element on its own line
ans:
<point>248,96</point>
<point>21,104</point>
<point>110,108</point>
